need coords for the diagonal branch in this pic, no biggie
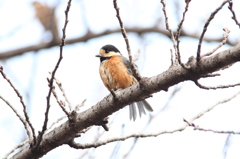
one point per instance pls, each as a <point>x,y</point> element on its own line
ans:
<point>19,116</point>
<point>63,92</point>
<point>234,17</point>
<point>175,46</point>
<point>15,148</point>
<point>168,28</point>
<point>60,103</point>
<point>124,33</point>
<point>205,28</point>
<point>178,33</point>
<point>73,144</point>
<point>53,74</point>
<point>190,123</point>
<point>210,130</point>
<point>174,75</point>
<point>225,37</point>
<point>216,87</point>
<point>23,104</point>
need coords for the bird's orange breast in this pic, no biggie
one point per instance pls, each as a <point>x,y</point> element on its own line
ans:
<point>115,74</point>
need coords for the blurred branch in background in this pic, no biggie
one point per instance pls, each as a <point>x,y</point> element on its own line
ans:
<point>91,35</point>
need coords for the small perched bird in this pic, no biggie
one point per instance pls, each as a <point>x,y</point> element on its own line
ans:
<point>116,73</point>
<point>46,15</point>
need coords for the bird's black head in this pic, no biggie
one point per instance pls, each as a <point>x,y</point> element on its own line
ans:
<point>107,51</point>
<point>109,48</point>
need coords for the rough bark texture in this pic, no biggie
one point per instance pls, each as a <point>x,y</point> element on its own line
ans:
<point>174,75</point>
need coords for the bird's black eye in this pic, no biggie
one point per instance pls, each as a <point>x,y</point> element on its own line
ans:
<point>107,51</point>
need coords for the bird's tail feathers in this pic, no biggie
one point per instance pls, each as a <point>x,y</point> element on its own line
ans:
<point>142,105</point>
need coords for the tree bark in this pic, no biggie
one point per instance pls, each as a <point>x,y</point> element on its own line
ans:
<point>93,116</point>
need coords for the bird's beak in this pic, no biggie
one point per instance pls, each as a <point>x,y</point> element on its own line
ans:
<point>98,55</point>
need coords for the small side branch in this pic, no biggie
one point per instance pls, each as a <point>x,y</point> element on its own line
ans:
<point>80,105</point>
<point>57,121</point>
<point>60,103</point>
<point>19,116</point>
<point>177,52</point>
<point>63,92</point>
<point>15,148</point>
<point>205,28</point>
<point>230,7</point>
<point>225,37</point>
<point>23,104</point>
<point>213,106</point>
<point>179,32</point>
<point>217,87</point>
<point>210,130</point>
<point>44,127</point>
<point>75,145</point>
<point>136,72</point>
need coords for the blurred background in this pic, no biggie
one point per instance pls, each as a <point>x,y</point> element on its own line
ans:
<point>29,50</point>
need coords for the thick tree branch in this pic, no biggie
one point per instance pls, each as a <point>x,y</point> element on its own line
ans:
<point>174,75</point>
<point>90,35</point>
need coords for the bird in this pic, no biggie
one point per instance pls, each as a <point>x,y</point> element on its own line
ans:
<point>46,15</point>
<point>116,74</point>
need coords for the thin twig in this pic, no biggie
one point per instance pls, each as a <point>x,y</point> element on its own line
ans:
<point>211,75</point>
<point>23,104</point>
<point>53,74</point>
<point>214,131</point>
<point>57,121</point>
<point>205,28</point>
<point>230,7</point>
<point>179,30</point>
<point>131,148</point>
<point>15,148</point>
<point>135,71</point>
<point>172,61</point>
<point>213,106</point>
<point>227,145</point>
<point>80,105</point>
<point>225,36</point>
<point>217,87</point>
<point>100,143</point>
<point>20,117</point>
<point>60,103</point>
<point>168,28</point>
<point>177,53</point>
<point>136,56</point>
<point>117,146</point>
<point>63,92</point>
